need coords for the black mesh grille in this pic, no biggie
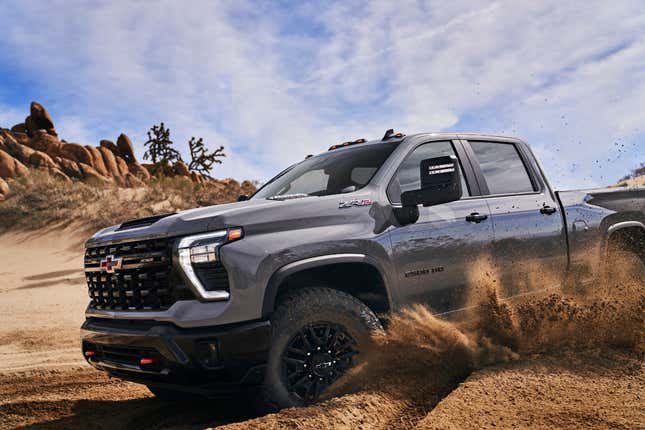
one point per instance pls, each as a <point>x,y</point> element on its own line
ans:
<point>130,276</point>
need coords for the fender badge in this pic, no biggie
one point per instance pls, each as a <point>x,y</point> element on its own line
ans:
<point>354,203</point>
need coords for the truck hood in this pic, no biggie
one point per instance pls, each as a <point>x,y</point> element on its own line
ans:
<point>255,216</point>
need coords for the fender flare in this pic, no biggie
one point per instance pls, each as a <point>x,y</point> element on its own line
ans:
<point>623,224</point>
<point>617,227</point>
<point>271,291</point>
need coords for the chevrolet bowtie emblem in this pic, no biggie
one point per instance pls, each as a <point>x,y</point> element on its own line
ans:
<point>111,263</point>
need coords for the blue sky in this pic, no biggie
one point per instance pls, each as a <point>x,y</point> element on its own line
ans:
<point>273,81</point>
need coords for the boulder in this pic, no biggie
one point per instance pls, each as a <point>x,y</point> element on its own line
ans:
<point>92,177</point>
<point>47,143</point>
<point>10,167</point>
<point>21,138</point>
<point>181,169</point>
<point>108,144</point>
<point>16,150</point>
<point>69,167</point>
<point>20,128</point>
<point>122,165</point>
<point>42,161</point>
<point>109,160</point>
<point>39,119</point>
<point>97,160</point>
<point>76,152</point>
<point>126,151</point>
<point>140,172</point>
<point>4,189</point>
<point>21,152</point>
<point>6,135</point>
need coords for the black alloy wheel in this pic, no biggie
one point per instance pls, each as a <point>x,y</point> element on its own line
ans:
<point>316,357</point>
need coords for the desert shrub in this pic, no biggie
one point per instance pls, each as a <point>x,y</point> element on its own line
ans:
<point>159,145</point>
<point>201,159</point>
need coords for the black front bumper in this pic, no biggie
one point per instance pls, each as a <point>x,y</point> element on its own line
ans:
<point>206,360</point>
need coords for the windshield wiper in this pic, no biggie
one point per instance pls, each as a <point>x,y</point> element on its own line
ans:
<point>288,196</point>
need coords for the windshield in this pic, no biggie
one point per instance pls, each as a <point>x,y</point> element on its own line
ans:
<point>336,172</point>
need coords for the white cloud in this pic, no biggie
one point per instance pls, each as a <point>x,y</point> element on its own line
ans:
<point>275,84</point>
<point>9,116</point>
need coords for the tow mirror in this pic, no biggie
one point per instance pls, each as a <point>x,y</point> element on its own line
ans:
<point>440,183</point>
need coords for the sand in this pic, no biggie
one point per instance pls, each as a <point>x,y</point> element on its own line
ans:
<point>426,373</point>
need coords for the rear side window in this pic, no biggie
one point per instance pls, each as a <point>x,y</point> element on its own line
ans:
<point>502,167</point>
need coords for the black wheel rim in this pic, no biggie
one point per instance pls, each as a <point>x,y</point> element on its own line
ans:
<point>315,357</point>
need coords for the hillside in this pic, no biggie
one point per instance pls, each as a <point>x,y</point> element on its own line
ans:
<point>45,180</point>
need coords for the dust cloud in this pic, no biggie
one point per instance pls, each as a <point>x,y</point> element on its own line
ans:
<point>420,358</point>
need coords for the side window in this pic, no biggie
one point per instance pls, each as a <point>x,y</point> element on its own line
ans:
<point>408,177</point>
<point>502,167</point>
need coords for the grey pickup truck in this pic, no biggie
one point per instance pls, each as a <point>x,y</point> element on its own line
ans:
<point>281,290</point>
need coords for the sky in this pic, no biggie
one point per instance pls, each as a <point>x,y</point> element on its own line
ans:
<point>274,81</point>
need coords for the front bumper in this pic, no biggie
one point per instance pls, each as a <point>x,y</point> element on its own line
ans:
<point>205,360</point>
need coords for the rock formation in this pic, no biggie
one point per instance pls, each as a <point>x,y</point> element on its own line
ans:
<point>39,119</point>
<point>35,144</point>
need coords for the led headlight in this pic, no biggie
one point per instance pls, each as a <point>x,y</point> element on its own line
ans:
<point>204,248</point>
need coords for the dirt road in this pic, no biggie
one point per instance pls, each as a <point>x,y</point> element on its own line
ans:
<point>417,381</point>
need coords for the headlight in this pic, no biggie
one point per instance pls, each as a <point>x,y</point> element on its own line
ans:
<point>204,248</point>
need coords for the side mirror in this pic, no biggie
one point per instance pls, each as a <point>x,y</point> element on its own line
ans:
<point>440,183</point>
<point>242,198</point>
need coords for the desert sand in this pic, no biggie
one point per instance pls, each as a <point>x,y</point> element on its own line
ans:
<point>427,374</point>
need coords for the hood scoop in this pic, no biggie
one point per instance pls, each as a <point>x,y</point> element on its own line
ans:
<point>142,222</point>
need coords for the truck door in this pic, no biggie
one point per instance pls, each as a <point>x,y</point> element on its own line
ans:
<point>433,256</point>
<point>529,250</point>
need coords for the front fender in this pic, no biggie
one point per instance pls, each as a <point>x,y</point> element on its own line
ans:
<point>271,291</point>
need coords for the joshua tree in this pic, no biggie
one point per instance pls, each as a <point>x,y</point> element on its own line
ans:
<point>201,160</point>
<point>159,146</point>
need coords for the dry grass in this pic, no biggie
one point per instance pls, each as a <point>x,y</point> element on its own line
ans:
<point>42,200</point>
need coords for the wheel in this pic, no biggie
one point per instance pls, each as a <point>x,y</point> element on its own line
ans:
<point>318,334</point>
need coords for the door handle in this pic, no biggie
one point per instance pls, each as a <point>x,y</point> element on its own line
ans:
<point>547,210</point>
<point>476,217</point>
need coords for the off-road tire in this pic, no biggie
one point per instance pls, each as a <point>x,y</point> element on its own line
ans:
<point>303,308</point>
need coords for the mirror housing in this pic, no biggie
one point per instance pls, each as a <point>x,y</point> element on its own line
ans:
<point>406,215</point>
<point>440,183</point>
<point>242,198</point>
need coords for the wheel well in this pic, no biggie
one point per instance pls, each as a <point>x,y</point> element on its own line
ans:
<point>361,280</point>
<point>631,239</point>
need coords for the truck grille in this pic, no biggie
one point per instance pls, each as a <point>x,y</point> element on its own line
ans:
<point>130,276</point>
